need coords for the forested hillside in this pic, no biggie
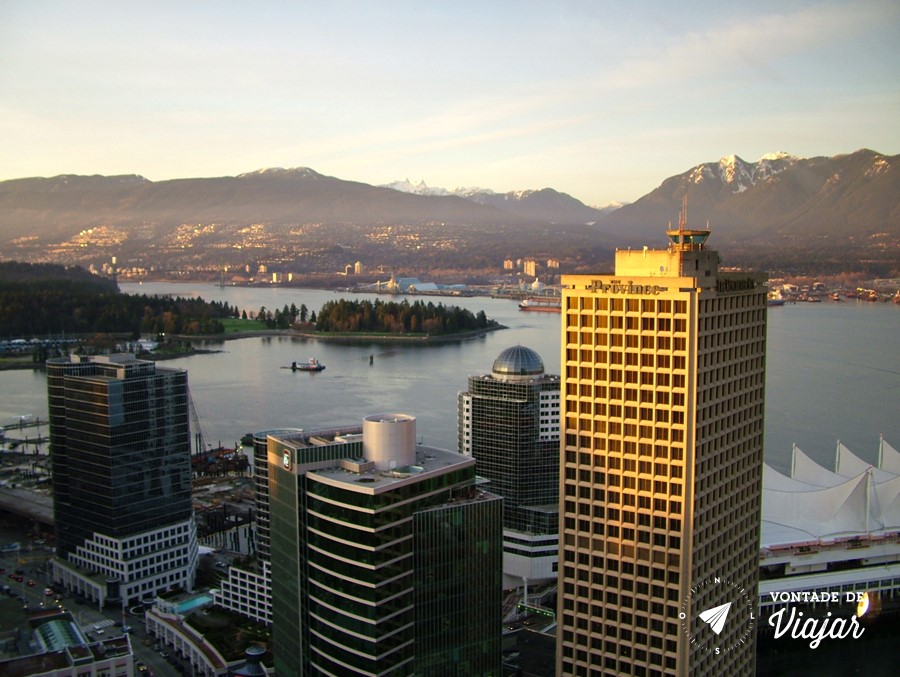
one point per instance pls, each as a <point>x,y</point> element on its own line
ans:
<point>38,300</point>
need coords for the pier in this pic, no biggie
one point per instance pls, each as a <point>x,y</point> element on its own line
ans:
<point>24,423</point>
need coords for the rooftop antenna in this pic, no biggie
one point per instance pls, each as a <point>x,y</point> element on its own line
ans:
<point>682,215</point>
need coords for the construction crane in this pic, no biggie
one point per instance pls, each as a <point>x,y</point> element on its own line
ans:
<point>199,447</point>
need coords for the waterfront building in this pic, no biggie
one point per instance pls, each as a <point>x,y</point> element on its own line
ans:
<point>663,369</point>
<point>509,422</point>
<point>832,531</point>
<point>386,555</point>
<point>120,458</point>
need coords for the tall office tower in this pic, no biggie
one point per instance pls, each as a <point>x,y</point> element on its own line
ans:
<point>385,555</point>
<point>120,456</point>
<point>664,375</point>
<point>509,422</point>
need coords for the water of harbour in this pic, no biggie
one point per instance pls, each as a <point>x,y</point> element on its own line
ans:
<point>833,373</point>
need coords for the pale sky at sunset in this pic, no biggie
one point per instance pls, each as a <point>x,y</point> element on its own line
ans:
<point>601,100</point>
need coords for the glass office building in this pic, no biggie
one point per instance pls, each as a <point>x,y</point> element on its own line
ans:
<point>120,457</point>
<point>386,556</point>
<point>509,422</point>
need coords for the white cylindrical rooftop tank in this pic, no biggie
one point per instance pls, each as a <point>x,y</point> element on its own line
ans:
<point>389,440</point>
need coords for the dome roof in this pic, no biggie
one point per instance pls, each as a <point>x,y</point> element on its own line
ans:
<point>518,361</point>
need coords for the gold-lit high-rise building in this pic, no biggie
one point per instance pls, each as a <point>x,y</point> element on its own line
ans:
<point>663,379</point>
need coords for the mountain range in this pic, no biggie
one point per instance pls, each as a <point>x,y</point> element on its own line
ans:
<point>780,195</point>
<point>780,198</point>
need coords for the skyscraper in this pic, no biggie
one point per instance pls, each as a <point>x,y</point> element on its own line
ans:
<point>663,385</point>
<point>120,457</point>
<point>385,555</point>
<point>509,422</point>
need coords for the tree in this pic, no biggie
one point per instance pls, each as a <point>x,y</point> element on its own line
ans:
<point>304,312</point>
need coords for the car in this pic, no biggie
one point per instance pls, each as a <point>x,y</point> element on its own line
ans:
<point>31,583</point>
<point>48,592</point>
<point>126,629</point>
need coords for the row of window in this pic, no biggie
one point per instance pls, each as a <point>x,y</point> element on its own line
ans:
<point>620,305</point>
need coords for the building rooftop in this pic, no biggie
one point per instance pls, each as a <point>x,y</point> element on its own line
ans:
<point>818,506</point>
<point>361,475</point>
<point>518,361</point>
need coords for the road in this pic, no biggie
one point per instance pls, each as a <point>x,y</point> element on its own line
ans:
<point>32,564</point>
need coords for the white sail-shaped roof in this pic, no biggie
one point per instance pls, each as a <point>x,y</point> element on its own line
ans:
<point>847,464</point>
<point>826,513</point>
<point>887,504</point>
<point>888,458</point>
<point>772,479</point>
<point>804,469</point>
<point>815,504</point>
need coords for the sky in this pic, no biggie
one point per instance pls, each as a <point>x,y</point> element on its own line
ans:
<point>601,100</point>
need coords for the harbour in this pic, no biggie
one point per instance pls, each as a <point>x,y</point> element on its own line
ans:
<point>831,374</point>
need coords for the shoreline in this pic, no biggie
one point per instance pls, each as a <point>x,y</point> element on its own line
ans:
<point>342,338</point>
<point>338,338</point>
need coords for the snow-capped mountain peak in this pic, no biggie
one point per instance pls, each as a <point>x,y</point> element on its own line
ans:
<point>416,188</point>
<point>737,175</point>
<point>421,188</point>
<point>274,171</point>
<point>734,172</point>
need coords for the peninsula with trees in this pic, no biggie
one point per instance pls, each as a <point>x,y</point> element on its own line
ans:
<point>387,320</point>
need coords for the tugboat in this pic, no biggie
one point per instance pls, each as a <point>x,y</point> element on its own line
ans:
<point>775,298</point>
<point>312,364</point>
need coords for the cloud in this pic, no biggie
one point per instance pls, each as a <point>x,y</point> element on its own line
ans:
<point>751,46</point>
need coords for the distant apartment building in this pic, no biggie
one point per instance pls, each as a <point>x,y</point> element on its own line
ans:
<point>530,267</point>
<point>120,457</point>
<point>509,264</point>
<point>247,588</point>
<point>358,268</point>
<point>663,386</point>
<point>508,421</point>
<point>386,555</point>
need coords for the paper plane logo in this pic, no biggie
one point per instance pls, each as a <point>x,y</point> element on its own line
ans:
<point>715,617</point>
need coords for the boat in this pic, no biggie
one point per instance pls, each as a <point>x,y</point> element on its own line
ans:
<point>542,304</point>
<point>312,364</point>
<point>775,298</point>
